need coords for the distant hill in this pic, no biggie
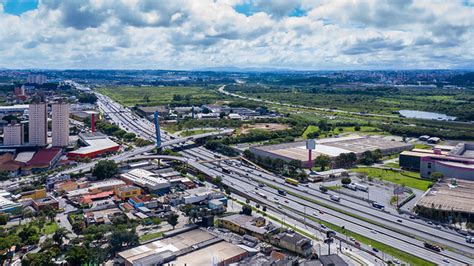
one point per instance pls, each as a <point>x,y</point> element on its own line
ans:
<point>463,79</point>
<point>243,70</point>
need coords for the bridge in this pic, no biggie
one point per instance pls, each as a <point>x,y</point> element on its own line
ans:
<point>195,137</point>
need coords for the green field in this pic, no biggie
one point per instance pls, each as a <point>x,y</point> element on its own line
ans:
<point>363,130</point>
<point>150,236</point>
<point>151,96</point>
<point>423,146</point>
<point>406,178</point>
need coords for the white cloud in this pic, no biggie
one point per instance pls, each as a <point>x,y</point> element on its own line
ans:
<point>191,34</point>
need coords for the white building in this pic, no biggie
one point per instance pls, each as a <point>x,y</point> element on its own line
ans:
<point>13,134</point>
<point>38,125</point>
<point>36,79</point>
<point>60,124</point>
<point>146,179</point>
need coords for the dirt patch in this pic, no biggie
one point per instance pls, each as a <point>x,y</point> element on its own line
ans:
<point>263,126</point>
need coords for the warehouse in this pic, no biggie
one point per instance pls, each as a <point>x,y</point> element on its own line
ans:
<point>331,147</point>
<point>97,144</point>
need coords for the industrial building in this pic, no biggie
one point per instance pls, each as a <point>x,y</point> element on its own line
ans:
<point>60,124</point>
<point>331,147</point>
<point>147,180</point>
<point>37,124</point>
<point>457,163</point>
<point>189,247</point>
<point>97,144</point>
<point>13,134</point>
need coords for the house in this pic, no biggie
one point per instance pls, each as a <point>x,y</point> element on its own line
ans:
<point>126,192</point>
<point>294,242</point>
<point>245,224</point>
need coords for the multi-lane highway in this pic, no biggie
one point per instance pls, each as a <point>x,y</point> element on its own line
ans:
<point>364,220</point>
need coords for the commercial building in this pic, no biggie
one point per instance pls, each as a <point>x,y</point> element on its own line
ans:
<point>458,163</point>
<point>147,180</point>
<point>13,135</point>
<point>37,124</point>
<point>8,206</point>
<point>40,204</point>
<point>44,159</point>
<point>191,247</point>
<point>97,144</point>
<point>331,147</point>
<point>126,192</point>
<point>17,108</point>
<point>449,198</point>
<point>60,124</point>
<point>292,241</point>
<point>34,194</point>
<point>245,224</point>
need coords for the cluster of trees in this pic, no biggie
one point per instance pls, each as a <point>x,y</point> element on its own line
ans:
<point>218,146</point>
<point>293,169</point>
<point>105,169</point>
<point>398,129</point>
<point>370,157</point>
<point>113,130</point>
<point>346,160</point>
<point>87,98</point>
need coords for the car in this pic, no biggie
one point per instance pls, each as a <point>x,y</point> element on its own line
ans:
<point>315,214</point>
<point>430,222</point>
<point>256,188</point>
<point>396,261</point>
<point>446,260</point>
<point>373,231</point>
<point>306,185</point>
<point>323,226</point>
<point>438,227</point>
<point>400,221</point>
<point>279,206</point>
<point>351,239</point>
<point>375,249</point>
<point>275,198</point>
<point>320,211</point>
<point>412,217</point>
<point>287,201</point>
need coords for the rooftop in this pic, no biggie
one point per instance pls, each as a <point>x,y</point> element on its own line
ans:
<point>210,255</point>
<point>445,197</point>
<point>44,157</point>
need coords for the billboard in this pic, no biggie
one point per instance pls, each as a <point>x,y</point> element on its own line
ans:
<point>310,144</point>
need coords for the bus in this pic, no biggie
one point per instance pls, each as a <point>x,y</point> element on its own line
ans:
<point>261,195</point>
<point>292,181</point>
<point>361,187</point>
<point>335,198</point>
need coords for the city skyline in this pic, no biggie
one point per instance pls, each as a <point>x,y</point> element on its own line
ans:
<point>188,35</point>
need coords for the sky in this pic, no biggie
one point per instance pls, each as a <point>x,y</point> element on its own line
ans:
<point>193,34</point>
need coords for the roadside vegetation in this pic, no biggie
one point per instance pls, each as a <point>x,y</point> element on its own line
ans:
<point>403,178</point>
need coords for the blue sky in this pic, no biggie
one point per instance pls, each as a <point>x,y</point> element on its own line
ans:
<point>190,34</point>
<point>17,7</point>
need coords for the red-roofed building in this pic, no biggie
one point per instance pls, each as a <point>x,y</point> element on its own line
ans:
<point>87,199</point>
<point>43,159</point>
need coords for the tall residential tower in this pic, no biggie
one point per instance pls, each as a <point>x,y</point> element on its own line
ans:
<point>60,124</point>
<point>38,124</point>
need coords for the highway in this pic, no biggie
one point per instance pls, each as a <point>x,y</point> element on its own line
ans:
<point>239,177</point>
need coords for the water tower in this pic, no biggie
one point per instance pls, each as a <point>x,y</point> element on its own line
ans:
<point>310,146</point>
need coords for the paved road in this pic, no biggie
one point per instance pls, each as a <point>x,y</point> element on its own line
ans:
<point>385,237</point>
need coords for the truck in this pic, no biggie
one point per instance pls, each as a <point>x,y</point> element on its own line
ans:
<point>323,189</point>
<point>282,192</point>
<point>378,205</point>
<point>470,239</point>
<point>262,195</point>
<point>361,187</point>
<point>432,247</point>
<point>335,198</point>
<point>292,181</point>
<point>351,186</point>
<point>225,170</point>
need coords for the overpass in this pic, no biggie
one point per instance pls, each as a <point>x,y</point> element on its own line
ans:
<point>196,165</point>
<point>195,137</point>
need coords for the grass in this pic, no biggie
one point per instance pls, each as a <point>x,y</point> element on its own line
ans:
<point>131,96</point>
<point>187,133</point>
<point>150,236</point>
<point>363,129</point>
<point>392,165</point>
<point>48,228</point>
<point>423,146</point>
<point>405,178</point>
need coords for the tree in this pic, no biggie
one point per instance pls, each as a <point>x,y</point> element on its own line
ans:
<point>123,238</point>
<point>60,235</point>
<point>346,181</point>
<point>3,218</point>
<point>217,181</point>
<point>436,176</point>
<point>4,175</point>
<point>36,259</point>
<point>105,169</point>
<point>322,161</point>
<point>78,226</point>
<point>77,255</point>
<point>129,136</point>
<point>357,128</point>
<point>173,219</point>
<point>247,209</point>
<point>264,208</point>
